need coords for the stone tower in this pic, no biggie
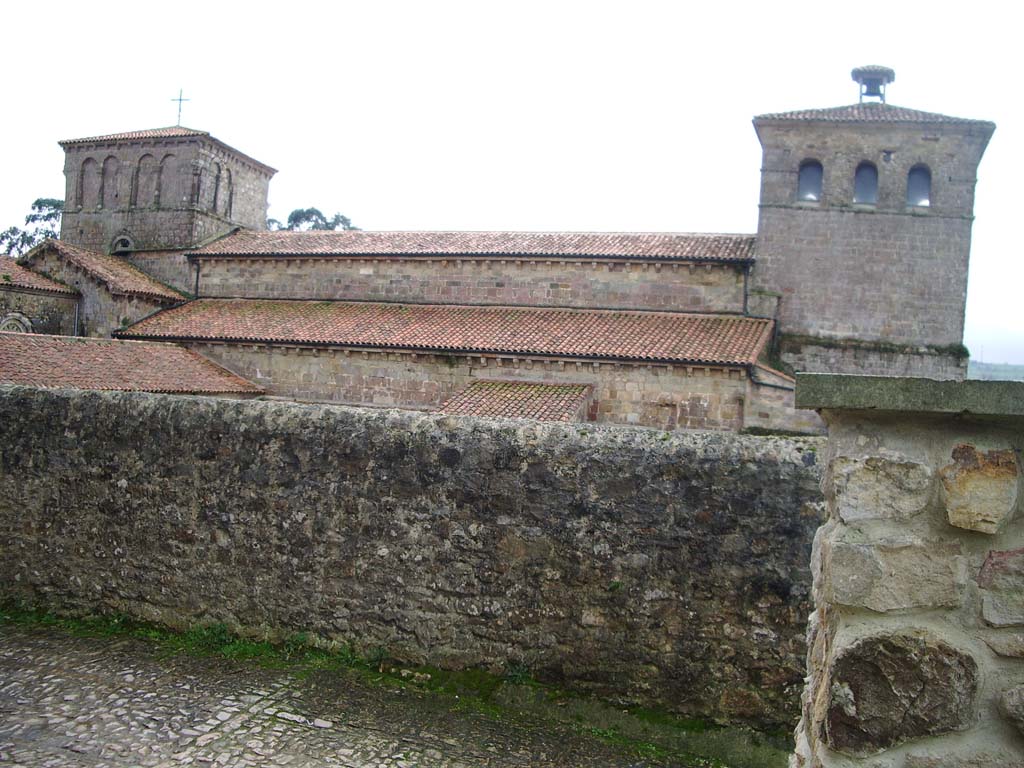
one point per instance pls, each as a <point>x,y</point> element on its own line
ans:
<point>864,233</point>
<point>163,189</point>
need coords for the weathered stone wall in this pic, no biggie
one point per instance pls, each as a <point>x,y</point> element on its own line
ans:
<point>169,267</point>
<point>917,640</point>
<point>46,312</point>
<point>677,287</point>
<point>644,566</point>
<point>161,193</point>
<point>876,272</point>
<point>660,396</point>
<point>100,312</point>
<point>836,355</point>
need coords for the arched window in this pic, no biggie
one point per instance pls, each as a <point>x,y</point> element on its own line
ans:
<point>89,184</point>
<point>919,186</point>
<point>865,184</point>
<point>808,188</point>
<point>15,323</point>
<point>111,187</point>
<point>168,191</point>
<point>147,176</point>
<point>122,244</point>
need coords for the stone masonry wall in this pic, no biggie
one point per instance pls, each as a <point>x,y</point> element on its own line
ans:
<point>100,312</point>
<point>826,357</point>
<point>917,640</point>
<point>876,272</point>
<point>162,193</point>
<point>169,267</point>
<point>642,395</point>
<point>604,283</point>
<point>48,313</point>
<point>660,568</point>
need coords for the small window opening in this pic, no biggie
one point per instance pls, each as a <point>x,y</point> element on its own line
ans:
<point>122,245</point>
<point>919,187</point>
<point>809,183</point>
<point>865,184</point>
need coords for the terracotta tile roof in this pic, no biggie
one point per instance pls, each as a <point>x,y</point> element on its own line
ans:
<point>82,363</point>
<point>870,112</point>
<point>13,274</point>
<point>171,132</point>
<point>591,334</point>
<point>119,276</point>
<point>520,400</point>
<point>652,245</point>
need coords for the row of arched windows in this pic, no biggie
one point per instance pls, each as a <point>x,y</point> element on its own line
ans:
<point>865,184</point>
<point>153,184</point>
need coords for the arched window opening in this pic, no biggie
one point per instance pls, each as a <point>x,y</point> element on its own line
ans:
<point>808,188</point>
<point>89,184</point>
<point>111,182</point>
<point>217,194</point>
<point>147,177</point>
<point>865,184</point>
<point>15,323</point>
<point>167,188</point>
<point>919,187</point>
<point>122,244</point>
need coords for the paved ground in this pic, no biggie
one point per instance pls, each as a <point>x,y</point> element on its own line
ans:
<point>84,702</point>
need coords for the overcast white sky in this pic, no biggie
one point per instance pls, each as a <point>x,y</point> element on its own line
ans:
<point>515,115</point>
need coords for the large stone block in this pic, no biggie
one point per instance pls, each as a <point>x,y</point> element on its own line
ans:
<point>980,488</point>
<point>1002,582</point>
<point>1011,703</point>
<point>895,575</point>
<point>888,689</point>
<point>880,487</point>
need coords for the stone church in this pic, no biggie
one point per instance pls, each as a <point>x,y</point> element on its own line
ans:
<point>859,265</point>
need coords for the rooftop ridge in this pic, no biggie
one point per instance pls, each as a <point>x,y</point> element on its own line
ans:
<point>688,246</point>
<point>868,112</point>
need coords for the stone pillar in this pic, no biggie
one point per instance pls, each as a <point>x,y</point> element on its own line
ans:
<point>916,644</point>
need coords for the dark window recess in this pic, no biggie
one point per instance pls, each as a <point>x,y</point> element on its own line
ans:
<point>809,184</point>
<point>865,184</point>
<point>919,187</point>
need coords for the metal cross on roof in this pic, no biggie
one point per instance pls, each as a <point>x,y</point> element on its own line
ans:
<point>179,100</point>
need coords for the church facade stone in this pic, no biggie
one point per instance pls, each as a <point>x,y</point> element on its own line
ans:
<point>859,265</point>
<point>168,188</point>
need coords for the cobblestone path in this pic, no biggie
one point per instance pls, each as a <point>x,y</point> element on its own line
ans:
<point>87,702</point>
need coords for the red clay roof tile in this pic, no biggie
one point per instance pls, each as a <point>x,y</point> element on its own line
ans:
<point>591,334</point>
<point>520,400</point>
<point>869,112</point>
<point>17,276</point>
<point>653,245</point>
<point>171,132</point>
<point>118,275</point>
<point>82,363</point>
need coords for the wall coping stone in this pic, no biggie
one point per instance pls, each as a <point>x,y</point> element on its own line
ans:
<point>817,391</point>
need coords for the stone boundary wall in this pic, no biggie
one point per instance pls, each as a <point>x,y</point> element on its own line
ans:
<point>917,640</point>
<point>607,283</point>
<point>644,566</point>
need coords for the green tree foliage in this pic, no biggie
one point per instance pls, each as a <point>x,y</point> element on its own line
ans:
<point>306,219</point>
<point>42,223</point>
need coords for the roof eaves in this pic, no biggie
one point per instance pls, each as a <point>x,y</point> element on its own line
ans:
<point>637,359</point>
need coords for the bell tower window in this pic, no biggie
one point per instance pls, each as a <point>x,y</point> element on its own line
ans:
<point>808,188</point>
<point>919,187</point>
<point>865,184</point>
